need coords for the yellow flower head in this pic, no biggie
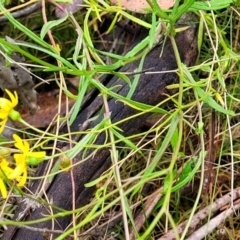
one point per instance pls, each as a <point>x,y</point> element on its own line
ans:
<point>22,159</point>
<point>4,172</point>
<point>6,108</point>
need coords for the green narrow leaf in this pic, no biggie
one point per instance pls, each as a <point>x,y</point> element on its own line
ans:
<point>160,151</point>
<point>182,9</point>
<point>135,19</point>
<point>136,78</point>
<point>152,31</point>
<point>161,13</point>
<point>187,174</point>
<point>87,139</point>
<point>200,34</point>
<point>205,96</point>
<point>26,30</point>
<point>134,104</point>
<point>187,169</point>
<point>88,38</point>
<point>211,102</point>
<point>49,25</point>
<point>174,138</point>
<point>16,47</point>
<point>123,77</point>
<point>96,181</point>
<point>162,148</point>
<point>84,83</point>
<point>55,69</point>
<point>211,5</point>
<point>124,139</point>
<point>109,54</point>
<point>77,52</point>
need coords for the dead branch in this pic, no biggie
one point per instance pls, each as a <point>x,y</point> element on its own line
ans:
<point>202,214</point>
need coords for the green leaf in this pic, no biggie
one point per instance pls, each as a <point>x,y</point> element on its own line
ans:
<point>182,9</point>
<point>55,69</point>
<point>140,106</point>
<point>210,5</point>
<point>205,95</point>
<point>124,139</point>
<point>161,13</point>
<point>174,139</point>
<point>161,150</point>
<point>136,78</point>
<point>123,77</point>
<point>187,169</point>
<point>136,19</point>
<point>96,181</point>
<point>187,174</point>
<point>86,140</point>
<point>26,30</point>
<point>211,102</point>
<point>16,48</point>
<point>134,104</point>
<point>84,83</point>
<point>49,25</point>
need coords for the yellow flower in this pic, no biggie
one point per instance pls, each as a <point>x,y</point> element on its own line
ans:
<point>22,159</point>
<point>3,188</point>
<point>6,109</point>
<point>4,172</point>
<point>20,172</point>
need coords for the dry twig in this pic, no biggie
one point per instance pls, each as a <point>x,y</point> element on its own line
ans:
<point>202,214</point>
<point>212,224</point>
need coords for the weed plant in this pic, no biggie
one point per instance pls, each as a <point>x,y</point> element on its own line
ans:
<point>169,156</point>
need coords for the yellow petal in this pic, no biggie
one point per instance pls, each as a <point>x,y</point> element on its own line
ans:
<point>4,101</point>
<point>19,158</point>
<point>2,125</point>
<point>26,147</point>
<point>16,172</point>
<point>20,144</point>
<point>5,106</point>
<point>13,98</point>
<point>18,141</point>
<point>3,115</point>
<point>4,162</point>
<point>6,170</point>
<point>3,188</point>
<point>23,179</point>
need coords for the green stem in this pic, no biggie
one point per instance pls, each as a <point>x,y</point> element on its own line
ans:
<point>117,175</point>
<point>36,129</point>
<point>179,141</point>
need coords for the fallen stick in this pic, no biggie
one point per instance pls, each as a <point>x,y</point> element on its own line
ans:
<point>215,222</point>
<point>202,214</point>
